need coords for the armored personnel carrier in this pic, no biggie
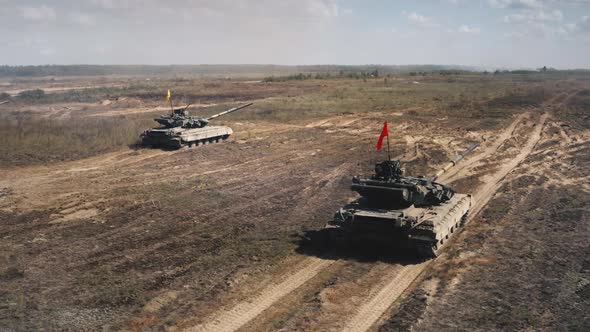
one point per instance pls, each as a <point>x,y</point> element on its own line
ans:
<point>409,212</point>
<point>179,129</point>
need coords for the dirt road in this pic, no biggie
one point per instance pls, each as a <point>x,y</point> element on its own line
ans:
<point>244,312</point>
<point>375,307</point>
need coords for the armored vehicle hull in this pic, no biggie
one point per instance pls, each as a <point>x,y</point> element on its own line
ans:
<point>424,229</point>
<point>176,138</point>
<point>405,211</point>
<point>179,129</point>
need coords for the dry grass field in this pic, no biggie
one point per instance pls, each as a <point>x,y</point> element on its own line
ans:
<point>99,233</point>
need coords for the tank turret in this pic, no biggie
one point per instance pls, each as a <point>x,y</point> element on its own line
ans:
<point>181,118</point>
<point>389,188</point>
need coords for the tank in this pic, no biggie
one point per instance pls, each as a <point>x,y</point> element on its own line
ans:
<point>414,213</point>
<point>179,129</point>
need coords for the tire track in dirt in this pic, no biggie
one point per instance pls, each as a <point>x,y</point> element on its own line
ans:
<point>506,134</point>
<point>242,313</point>
<point>35,184</point>
<point>245,312</point>
<point>384,296</point>
<point>492,184</point>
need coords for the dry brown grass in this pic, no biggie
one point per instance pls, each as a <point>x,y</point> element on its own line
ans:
<point>27,138</point>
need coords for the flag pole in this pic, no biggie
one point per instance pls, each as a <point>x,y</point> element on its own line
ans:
<point>169,97</point>
<point>388,152</point>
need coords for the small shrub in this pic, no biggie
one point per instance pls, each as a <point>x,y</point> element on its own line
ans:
<point>31,95</point>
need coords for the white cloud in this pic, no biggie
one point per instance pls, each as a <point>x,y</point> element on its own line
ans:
<point>82,19</point>
<point>544,30</point>
<point>515,34</point>
<point>47,51</point>
<point>581,26</point>
<point>467,29</point>
<point>42,13</point>
<point>322,8</point>
<point>37,45</point>
<point>516,4</point>
<point>534,16</point>
<point>419,20</point>
<point>284,8</point>
<point>119,4</point>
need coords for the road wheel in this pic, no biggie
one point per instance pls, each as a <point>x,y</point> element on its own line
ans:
<point>463,220</point>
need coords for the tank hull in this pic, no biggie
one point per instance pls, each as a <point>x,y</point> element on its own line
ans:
<point>425,229</point>
<point>176,138</point>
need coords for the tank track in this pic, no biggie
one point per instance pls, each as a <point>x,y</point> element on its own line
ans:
<point>210,140</point>
<point>178,143</point>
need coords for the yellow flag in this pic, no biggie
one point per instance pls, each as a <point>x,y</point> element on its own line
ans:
<point>168,95</point>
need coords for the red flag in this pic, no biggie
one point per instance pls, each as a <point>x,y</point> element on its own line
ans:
<point>384,132</point>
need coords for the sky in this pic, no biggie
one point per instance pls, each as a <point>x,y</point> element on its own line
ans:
<point>483,33</point>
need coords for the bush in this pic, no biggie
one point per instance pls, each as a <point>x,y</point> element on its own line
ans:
<point>32,95</point>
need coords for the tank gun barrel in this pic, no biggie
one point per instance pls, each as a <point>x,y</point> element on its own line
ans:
<point>454,161</point>
<point>228,111</point>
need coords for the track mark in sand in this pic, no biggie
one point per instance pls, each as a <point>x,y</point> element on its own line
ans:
<point>370,312</point>
<point>483,195</point>
<point>381,300</point>
<point>242,313</point>
<point>488,151</point>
